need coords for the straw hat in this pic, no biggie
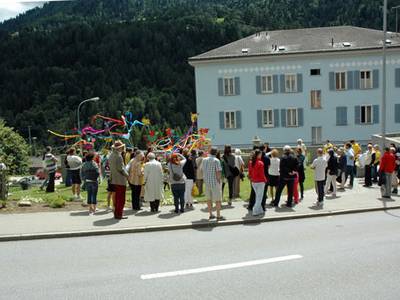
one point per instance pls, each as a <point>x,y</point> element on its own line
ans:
<point>118,145</point>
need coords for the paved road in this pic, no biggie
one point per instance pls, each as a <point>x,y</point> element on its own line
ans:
<point>343,257</point>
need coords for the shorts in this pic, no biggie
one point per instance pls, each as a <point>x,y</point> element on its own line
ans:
<point>76,177</point>
<point>213,193</point>
<point>110,187</point>
<point>273,180</point>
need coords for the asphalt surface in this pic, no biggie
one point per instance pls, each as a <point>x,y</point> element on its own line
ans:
<point>342,257</point>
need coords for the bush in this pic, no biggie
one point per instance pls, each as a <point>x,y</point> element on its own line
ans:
<point>14,151</point>
<point>59,202</point>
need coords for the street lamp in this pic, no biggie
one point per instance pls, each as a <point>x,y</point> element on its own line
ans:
<point>384,74</point>
<point>80,104</point>
<point>397,17</point>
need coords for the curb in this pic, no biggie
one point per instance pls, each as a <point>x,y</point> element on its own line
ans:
<point>205,224</point>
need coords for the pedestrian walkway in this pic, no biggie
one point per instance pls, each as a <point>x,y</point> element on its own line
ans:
<point>68,224</point>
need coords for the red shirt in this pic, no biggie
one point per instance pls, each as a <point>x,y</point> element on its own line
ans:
<point>256,172</point>
<point>388,163</point>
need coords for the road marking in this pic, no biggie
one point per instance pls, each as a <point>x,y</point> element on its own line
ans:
<point>221,267</point>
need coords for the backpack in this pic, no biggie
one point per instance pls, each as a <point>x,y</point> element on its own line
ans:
<point>175,176</point>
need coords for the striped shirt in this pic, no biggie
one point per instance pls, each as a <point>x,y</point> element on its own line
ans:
<point>211,165</point>
<point>50,163</point>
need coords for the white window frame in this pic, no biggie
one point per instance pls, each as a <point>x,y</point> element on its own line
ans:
<point>293,86</point>
<point>343,85</point>
<point>366,117</point>
<point>264,83</point>
<point>229,86</point>
<point>313,98</point>
<point>288,110</point>
<point>316,141</point>
<point>364,81</point>
<point>271,120</point>
<point>228,119</point>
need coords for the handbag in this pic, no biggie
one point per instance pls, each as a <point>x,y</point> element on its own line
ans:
<point>234,170</point>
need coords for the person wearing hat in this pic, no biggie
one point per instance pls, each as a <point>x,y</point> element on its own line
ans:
<point>288,166</point>
<point>153,182</point>
<point>118,177</point>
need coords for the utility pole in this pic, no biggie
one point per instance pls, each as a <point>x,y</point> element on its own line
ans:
<point>396,8</point>
<point>30,138</point>
<point>384,74</point>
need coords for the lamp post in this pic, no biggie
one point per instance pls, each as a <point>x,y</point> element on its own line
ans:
<point>79,107</point>
<point>384,74</point>
<point>396,8</point>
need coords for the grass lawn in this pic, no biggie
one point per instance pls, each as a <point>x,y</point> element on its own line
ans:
<point>64,193</point>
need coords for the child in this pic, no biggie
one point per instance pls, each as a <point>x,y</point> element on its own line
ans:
<point>319,166</point>
<point>90,174</point>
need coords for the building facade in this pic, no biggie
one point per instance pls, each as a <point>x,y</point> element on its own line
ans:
<point>315,84</point>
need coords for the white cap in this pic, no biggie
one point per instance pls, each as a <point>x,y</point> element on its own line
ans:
<point>287,148</point>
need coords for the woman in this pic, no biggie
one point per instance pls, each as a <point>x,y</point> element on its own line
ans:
<point>75,164</point>
<point>240,165</point>
<point>331,172</point>
<point>177,180</point>
<point>189,169</point>
<point>135,179</point>
<point>258,180</point>
<point>90,175</point>
<point>300,170</point>
<point>153,178</point>
<point>273,172</point>
<point>230,170</point>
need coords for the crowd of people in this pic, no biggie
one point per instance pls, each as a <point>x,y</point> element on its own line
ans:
<point>191,173</point>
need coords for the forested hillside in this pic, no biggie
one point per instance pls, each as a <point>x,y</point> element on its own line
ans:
<point>133,53</point>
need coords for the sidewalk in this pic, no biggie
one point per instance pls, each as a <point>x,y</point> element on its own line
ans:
<point>70,224</point>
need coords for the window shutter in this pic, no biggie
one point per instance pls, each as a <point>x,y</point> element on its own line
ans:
<point>341,116</point>
<point>376,114</point>
<point>237,86</point>
<point>259,118</point>
<point>283,117</point>
<point>356,80</point>
<point>220,87</point>
<point>332,81</point>
<point>357,115</point>
<point>397,113</point>
<point>375,78</point>
<point>350,80</point>
<point>276,117</point>
<point>258,85</point>
<point>238,119</point>
<point>397,77</point>
<point>221,120</point>
<point>300,114</point>
<point>275,84</point>
<point>282,82</point>
<point>299,83</point>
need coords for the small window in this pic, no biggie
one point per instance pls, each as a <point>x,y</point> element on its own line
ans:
<point>366,80</point>
<point>340,78</point>
<point>315,72</point>
<point>229,86</point>
<point>292,117</point>
<point>230,120</point>
<point>290,83</point>
<point>267,84</point>
<point>268,118</point>
<point>366,114</point>
<point>316,135</point>
<point>316,99</point>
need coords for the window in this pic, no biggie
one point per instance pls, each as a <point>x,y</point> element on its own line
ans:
<point>292,117</point>
<point>316,135</point>
<point>268,118</point>
<point>366,114</point>
<point>267,84</point>
<point>291,83</point>
<point>229,86</point>
<point>366,80</point>
<point>230,120</point>
<point>340,80</point>
<point>315,72</point>
<point>316,99</point>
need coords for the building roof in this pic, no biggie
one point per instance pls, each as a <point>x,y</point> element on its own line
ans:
<point>297,41</point>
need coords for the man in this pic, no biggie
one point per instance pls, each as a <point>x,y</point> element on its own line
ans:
<point>199,172</point>
<point>75,165</point>
<point>395,179</point>
<point>50,162</point>
<point>153,182</point>
<point>369,162</point>
<point>387,167</point>
<point>319,165</point>
<point>350,158</point>
<point>239,163</point>
<point>212,179</point>
<point>288,167</point>
<point>118,178</point>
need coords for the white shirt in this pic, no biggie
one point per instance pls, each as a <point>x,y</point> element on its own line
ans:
<point>239,162</point>
<point>319,165</point>
<point>74,162</point>
<point>274,167</point>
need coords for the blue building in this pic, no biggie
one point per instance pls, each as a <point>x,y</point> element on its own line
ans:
<point>314,84</point>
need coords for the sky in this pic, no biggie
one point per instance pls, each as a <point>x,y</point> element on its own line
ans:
<point>12,8</point>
